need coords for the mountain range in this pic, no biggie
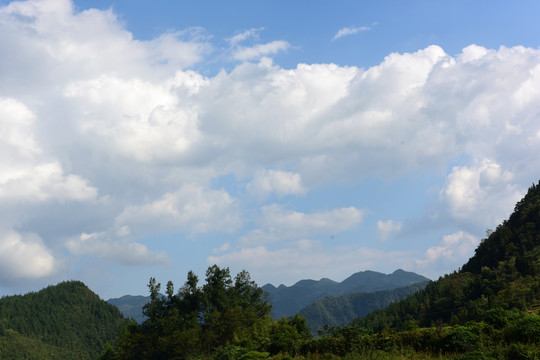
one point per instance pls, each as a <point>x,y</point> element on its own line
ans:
<point>288,300</point>
<point>322,302</point>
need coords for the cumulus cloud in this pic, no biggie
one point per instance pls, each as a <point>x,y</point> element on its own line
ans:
<point>346,31</point>
<point>309,259</point>
<point>278,182</point>
<point>92,116</point>
<point>87,43</point>
<point>28,175</point>
<point>191,208</point>
<point>123,251</point>
<point>484,192</point>
<point>386,228</point>
<point>24,256</point>
<point>277,223</point>
<point>259,50</point>
<point>138,119</point>
<point>452,252</point>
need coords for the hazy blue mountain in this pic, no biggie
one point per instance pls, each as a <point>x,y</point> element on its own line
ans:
<point>341,310</point>
<point>288,300</point>
<point>131,306</point>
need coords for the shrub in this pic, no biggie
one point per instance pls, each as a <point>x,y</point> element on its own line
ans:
<point>527,329</point>
<point>231,352</point>
<point>254,355</point>
<point>459,339</point>
<point>521,352</point>
<point>497,317</point>
<point>476,355</point>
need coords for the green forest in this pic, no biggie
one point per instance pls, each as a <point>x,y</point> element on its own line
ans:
<point>487,309</point>
<point>65,321</point>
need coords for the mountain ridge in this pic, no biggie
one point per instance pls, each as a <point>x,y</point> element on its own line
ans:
<point>288,300</point>
<point>311,290</point>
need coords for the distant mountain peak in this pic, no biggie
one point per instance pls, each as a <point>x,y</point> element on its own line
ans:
<point>287,300</point>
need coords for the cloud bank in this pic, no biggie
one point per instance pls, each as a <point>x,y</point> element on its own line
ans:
<point>95,121</point>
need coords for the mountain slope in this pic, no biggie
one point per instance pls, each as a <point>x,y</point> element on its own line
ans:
<point>67,316</point>
<point>16,346</point>
<point>287,301</point>
<point>504,273</point>
<point>341,310</point>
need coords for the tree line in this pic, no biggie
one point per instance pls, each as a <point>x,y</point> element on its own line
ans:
<point>488,309</point>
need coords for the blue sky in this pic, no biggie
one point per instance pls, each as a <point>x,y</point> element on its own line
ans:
<point>295,140</point>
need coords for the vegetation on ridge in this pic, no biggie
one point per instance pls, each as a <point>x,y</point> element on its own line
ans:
<point>67,319</point>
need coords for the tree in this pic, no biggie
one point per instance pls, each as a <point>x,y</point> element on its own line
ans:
<point>199,319</point>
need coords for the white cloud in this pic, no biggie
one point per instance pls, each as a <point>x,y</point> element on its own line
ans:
<point>226,246</point>
<point>484,192</point>
<point>25,175</point>
<point>260,50</point>
<point>88,110</point>
<point>346,31</point>
<point>125,252</point>
<point>170,49</point>
<point>139,119</point>
<point>84,44</point>
<point>243,36</point>
<point>308,259</point>
<point>43,182</point>
<point>191,208</point>
<point>277,224</point>
<point>16,130</point>
<point>386,228</point>
<point>275,181</point>
<point>24,256</point>
<point>452,252</point>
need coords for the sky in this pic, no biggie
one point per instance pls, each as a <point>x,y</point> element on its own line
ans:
<point>293,139</point>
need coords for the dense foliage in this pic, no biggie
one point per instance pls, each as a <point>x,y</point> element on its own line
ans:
<point>201,320</point>
<point>69,318</point>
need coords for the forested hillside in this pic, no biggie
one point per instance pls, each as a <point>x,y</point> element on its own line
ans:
<point>288,300</point>
<point>335,311</point>
<point>63,321</point>
<point>504,273</point>
<point>487,310</point>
